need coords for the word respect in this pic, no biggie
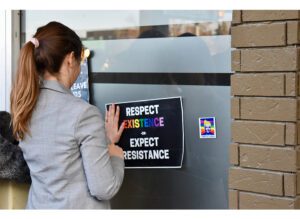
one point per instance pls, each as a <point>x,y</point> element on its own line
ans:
<point>142,110</point>
<point>143,122</point>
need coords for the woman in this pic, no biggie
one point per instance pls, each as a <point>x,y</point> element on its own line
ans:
<point>62,137</point>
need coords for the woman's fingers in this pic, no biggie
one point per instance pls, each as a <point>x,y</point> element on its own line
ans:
<point>114,114</point>
<point>112,111</point>
<point>116,118</point>
<point>114,132</point>
<point>106,116</point>
<point>110,114</point>
<point>121,129</point>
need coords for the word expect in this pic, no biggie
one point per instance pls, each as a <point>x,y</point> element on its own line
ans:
<point>144,142</point>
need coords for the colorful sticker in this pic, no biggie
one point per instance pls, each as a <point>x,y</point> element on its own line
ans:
<point>207,127</point>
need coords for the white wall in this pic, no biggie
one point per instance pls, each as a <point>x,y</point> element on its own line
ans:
<point>9,50</point>
<point>2,61</point>
<point>5,58</point>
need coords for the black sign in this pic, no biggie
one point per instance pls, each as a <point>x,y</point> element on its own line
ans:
<point>153,135</point>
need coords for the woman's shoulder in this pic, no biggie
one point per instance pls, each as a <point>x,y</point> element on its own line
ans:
<point>85,109</point>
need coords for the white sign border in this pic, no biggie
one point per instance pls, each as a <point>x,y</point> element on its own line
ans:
<point>164,98</point>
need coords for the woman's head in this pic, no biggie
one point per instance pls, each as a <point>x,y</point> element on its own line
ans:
<point>55,42</point>
<point>54,50</point>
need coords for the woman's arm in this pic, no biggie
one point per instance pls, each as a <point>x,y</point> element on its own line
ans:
<point>104,173</point>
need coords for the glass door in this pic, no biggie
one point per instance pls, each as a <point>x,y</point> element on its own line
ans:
<point>140,55</point>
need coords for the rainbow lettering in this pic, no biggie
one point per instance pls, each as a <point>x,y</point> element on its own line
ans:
<point>144,122</point>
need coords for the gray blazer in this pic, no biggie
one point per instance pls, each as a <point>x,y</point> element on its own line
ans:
<point>67,154</point>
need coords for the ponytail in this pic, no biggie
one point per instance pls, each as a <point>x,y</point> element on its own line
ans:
<point>44,53</point>
<point>25,92</point>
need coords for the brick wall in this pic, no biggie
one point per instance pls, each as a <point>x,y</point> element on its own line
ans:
<point>265,149</point>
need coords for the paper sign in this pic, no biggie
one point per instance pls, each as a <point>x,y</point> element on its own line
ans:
<point>81,86</point>
<point>153,135</point>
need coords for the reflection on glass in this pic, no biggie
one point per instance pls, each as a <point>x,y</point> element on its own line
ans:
<point>110,24</point>
<point>156,41</point>
<point>171,30</point>
<point>159,55</point>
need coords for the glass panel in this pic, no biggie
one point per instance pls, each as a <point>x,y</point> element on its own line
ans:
<point>162,54</point>
<point>207,54</point>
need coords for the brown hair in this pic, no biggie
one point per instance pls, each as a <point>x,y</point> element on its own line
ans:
<point>55,42</point>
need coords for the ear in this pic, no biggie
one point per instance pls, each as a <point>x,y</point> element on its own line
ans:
<point>70,59</point>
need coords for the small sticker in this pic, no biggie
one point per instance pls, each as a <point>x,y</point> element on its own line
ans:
<point>207,127</point>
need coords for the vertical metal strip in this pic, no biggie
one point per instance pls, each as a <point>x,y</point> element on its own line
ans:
<point>2,61</point>
<point>9,51</point>
<point>8,57</point>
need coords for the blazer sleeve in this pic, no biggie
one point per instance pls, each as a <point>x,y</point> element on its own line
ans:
<point>104,174</point>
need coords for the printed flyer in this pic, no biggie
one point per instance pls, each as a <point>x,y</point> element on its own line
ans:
<point>154,134</point>
<point>81,86</point>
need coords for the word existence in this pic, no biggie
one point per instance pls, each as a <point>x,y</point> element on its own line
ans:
<point>143,122</point>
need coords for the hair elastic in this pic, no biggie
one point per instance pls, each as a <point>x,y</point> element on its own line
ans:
<point>35,42</point>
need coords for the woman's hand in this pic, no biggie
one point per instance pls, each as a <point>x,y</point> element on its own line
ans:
<point>113,131</point>
<point>115,150</point>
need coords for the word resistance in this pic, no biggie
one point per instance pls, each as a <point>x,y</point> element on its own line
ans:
<point>147,155</point>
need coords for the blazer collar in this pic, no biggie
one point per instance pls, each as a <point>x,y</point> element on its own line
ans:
<point>55,85</point>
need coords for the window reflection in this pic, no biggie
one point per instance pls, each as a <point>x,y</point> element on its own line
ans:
<point>194,29</point>
<point>130,24</point>
<point>156,41</point>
